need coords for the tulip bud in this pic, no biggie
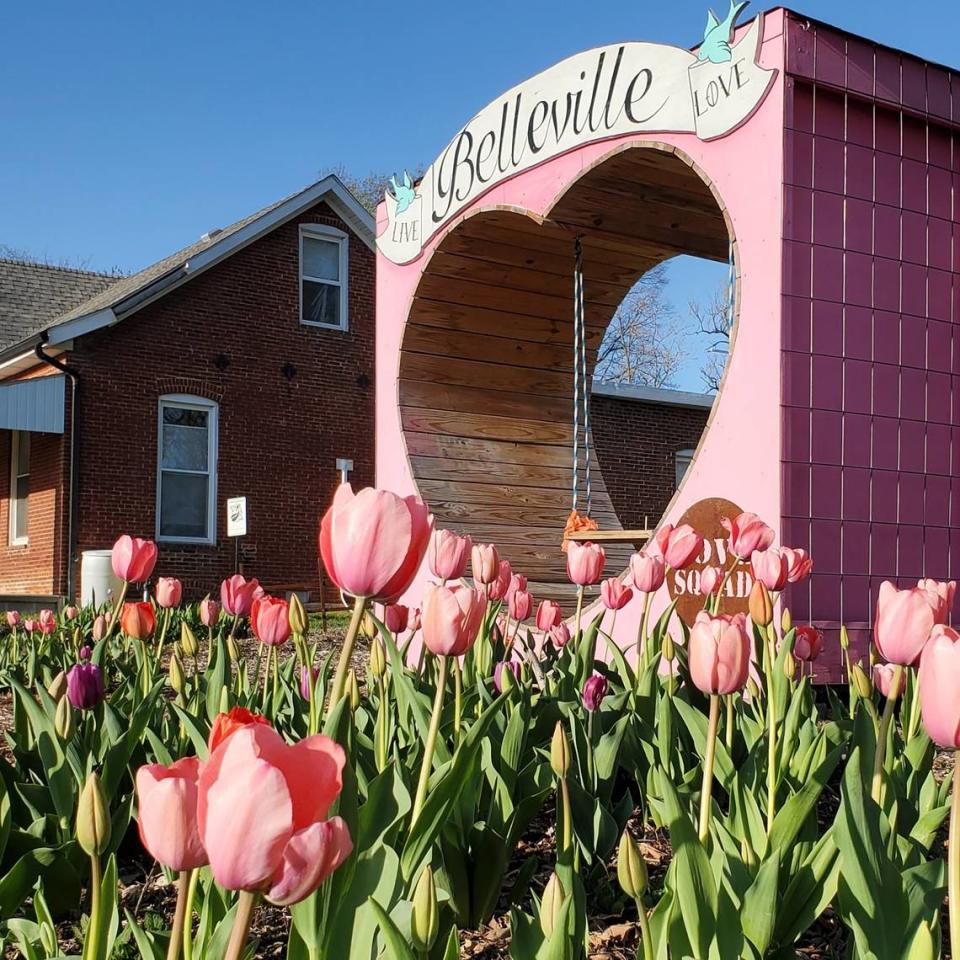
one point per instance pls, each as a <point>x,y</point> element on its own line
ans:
<point>58,687</point>
<point>844,638</point>
<point>425,918</point>
<point>551,905</point>
<point>378,661</point>
<point>560,751</point>
<point>299,621</point>
<point>77,637</point>
<point>63,721</point>
<point>786,620</point>
<point>353,689</point>
<point>631,868</point>
<point>368,628</point>
<point>789,665</point>
<point>760,605</point>
<point>923,946</point>
<point>48,940</point>
<point>188,640</point>
<point>752,689</point>
<point>93,818</point>
<point>233,651</point>
<point>177,680</point>
<point>862,682</point>
<point>667,650</point>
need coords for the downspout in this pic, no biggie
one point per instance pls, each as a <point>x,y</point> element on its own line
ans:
<point>74,449</point>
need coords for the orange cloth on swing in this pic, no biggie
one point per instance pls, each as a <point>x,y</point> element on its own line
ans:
<point>576,524</point>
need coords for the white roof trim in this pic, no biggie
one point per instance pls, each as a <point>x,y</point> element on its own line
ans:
<point>674,398</point>
<point>331,188</point>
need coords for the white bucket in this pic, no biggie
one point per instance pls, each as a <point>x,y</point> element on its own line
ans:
<point>98,583</point>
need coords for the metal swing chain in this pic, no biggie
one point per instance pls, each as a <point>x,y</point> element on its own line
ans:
<point>731,288</point>
<point>580,381</point>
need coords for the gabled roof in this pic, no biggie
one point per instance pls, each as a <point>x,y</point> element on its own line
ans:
<point>112,299</point>
<point>643,394</point>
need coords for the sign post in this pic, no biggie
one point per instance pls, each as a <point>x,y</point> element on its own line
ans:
<point>236,526</point>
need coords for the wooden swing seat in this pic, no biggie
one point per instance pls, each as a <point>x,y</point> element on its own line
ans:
<point>609,536</point>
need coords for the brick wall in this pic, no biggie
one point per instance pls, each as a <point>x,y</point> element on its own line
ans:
<point>636,443</point>
<point>279,437</point>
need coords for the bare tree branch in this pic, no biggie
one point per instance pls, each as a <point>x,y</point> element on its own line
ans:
<point>368,189</point>
<point>713,320</point>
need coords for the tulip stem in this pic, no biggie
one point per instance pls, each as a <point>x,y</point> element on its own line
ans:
<point>346,653</point>
<point>885,720</point>
<point>457,698</point>
<point>176,932</point>
<point>567,815</point>
<point>642,638</point>
<point>91,945</point>
<point>431,743</point>
<point>731,719</point>
<point>645,930</point>
<point>241,924</point>
<point>953,858</point>
<point>115,613</point>
<point>579,614</point>
<point>771,734</point>
<point>706,794</point>
<point>188,919</point>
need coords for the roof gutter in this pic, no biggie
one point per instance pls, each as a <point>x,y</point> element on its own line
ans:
<point>74,452</point>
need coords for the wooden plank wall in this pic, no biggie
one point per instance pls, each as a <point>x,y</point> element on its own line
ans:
<point>486,368</point>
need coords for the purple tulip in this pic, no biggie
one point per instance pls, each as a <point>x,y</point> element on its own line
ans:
<point>86,652</point>
<point>594,690</point>
<point>85,686</point>
<point>510,665</point>
<point>308,677</point>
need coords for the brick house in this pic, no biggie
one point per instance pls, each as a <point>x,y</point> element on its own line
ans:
<point>242,365</point>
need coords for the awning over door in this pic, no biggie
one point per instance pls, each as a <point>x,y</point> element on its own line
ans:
<point>35,405</point>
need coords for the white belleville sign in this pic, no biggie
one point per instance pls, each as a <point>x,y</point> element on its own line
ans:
<point>602,93</point>
<point>237,517</point>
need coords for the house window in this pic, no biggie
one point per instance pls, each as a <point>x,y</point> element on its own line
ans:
<point>187,470</point>
<point>323,277</point>
<point>682,461</point>
<point>19,486</point>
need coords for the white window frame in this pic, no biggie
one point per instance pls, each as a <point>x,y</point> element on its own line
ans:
<point>682,456</point>
<point>16,437</point>
<point>320,231</point>
<point>212,409</point>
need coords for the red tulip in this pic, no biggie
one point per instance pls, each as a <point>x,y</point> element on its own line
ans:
<point>225,725</point>
<point>396,617</point>
<point>167,813</point>
<point>451,618</point>
<point>485,562</point>
<point>548,615</point>
<point>262,809</point>
<point>883,674</point>
<point>448,554</point>
<point>615,594</point>
<point>944,593</point>
<point>520,604</point>
<point>137,620</point>
<point>799,564</point>
<point>237,595</point>
<point>497,590</point>
<point>807,643</point>
<point>585,563</point>
<point>903,622</point>
<point>168,592</point>
<point>373,542</point>
<point>719,653</point>
<point>209,612</point>
<point>771,568</point>
<point>594,690</point>
<point>747,533</point>
<point>647,571</point>
<point>939,686</point>
<point>270,620</point>
<point>711,579</point>
<point>133,558</point>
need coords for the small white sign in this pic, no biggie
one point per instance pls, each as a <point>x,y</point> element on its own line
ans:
<point>237,517</point>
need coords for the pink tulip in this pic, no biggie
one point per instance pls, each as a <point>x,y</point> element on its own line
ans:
<point>647,571</point>
<point>70,613</point>
<point>883,674</point>
<point>373,542</point>
<point>594,690</point>
<point>510,665</point>
<point>85,686</point>
<point>308,678</point>
<point>518,582</point>
<point>30,625</point>
<point>799,564</point>
<point>396,617</point>
<point>448,554</point>
<point>939,683</point>
<point>682,546</point>
<point>497,590</point>
<point>99,628</point>
<point>86,652</point>
<point>903,622</point>
<point>520,604</point>
<point>747,533</point>
<point>771,568</point>
<point>167,813</point>
<point>560,635</point>
<point>485,562</point>
<point>659,541</point>
<point>262,811</point>
<point>548,615</point>
<point>168,592</point>
<point>47,622</point>
<point>270,620</point>
<point>451,618</point>
<point>133,558</point>
<point>719,653</point>
<point>209,612</point>
<point>585,563</point>
<point>944,593</point>
<point>237,595</point>
<point>13,619</point>
<point>710,580</point>
<point>615,594</point>
<point>414,624</point>
<point>807,643</point>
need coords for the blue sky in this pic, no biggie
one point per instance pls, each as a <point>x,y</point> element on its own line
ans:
<point>129,129</point>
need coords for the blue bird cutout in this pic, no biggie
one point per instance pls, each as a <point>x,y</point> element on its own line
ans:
<point>403,193</point>
<point>716,37</point>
